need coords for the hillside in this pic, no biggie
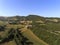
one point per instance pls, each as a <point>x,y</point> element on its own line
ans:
<point>38,30</point>
<point>7,34</point>
<point>32,37</point>
<point>49,32</point>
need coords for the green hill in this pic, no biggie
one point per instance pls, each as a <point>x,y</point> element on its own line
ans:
<point>49,32</point>
<point>43,30</point>
<point>7,35</point>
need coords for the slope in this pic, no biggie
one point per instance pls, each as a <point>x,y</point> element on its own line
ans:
<point>29,34</point>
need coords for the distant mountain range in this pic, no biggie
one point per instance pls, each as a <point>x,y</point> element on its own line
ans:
<point>29,17</point>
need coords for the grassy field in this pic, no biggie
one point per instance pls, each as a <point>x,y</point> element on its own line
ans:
<point>26,32</point>
<point>48,32</point>
<point>39,34</point>
<point>9,43</point>
<point>32,37</point>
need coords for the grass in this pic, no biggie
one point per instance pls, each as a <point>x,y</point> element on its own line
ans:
<point>26,32</point>
<point>44,32</point>
<point>9,43</point>
<point>32,37</point>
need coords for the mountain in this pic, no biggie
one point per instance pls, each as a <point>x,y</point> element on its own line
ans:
<point>29,17</point>
<point>35,17</point>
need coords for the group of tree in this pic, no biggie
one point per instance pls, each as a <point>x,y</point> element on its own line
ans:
<point>15,34</point>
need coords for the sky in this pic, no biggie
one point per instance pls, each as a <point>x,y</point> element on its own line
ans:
<point>46,8</point>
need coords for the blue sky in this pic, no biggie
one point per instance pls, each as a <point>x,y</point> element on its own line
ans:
<point>47,8</point>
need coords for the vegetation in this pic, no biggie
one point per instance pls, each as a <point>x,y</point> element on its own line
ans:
<point>41,31</point>
<point>19,36</point>
<point>15,34</point>
<point>47,32</point>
